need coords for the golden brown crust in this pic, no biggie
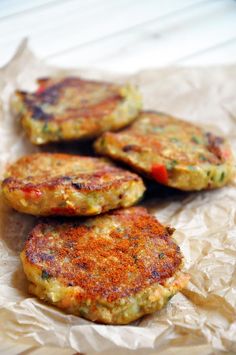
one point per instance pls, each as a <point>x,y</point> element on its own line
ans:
<point>171,151</point>
<point>74,108</point>
<point>63,184</point>
<point>110,257</point>
<point>87,98</point>
<point>53,170</point>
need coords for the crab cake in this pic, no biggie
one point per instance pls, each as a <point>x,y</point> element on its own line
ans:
<point>72,108</point>
<point>171,151</point>
<point>61,184</point>
<point>111,269</point>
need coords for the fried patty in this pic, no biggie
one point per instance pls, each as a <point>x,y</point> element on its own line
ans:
<point>72,108</point>
<point>171,151</point>
<point>112,269</point>
<point>61,184</point>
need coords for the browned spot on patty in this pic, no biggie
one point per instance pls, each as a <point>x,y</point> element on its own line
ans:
<point>171,151</point>
<point>75,96</point>
<point>53,171</point>
<point>111,256</point>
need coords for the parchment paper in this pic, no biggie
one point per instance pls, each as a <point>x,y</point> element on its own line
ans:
<point>202,319</point>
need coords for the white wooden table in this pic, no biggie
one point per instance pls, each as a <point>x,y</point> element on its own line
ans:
<point>121,35</point>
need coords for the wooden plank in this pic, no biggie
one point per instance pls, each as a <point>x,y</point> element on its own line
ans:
<point>221,54</point>
<point>158,43</point>
<point>55,28</point>
<point>13,7</point>
<point>136,36</point>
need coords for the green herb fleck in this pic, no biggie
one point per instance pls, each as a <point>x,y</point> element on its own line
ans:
<point>157,129</point>
<point>174,140</point>
<point>192,168</point>
<point>169,298</point>
<point>45,275</point>
<point>46,128</point>
<point>202,157</point>
<point>222,176</point>
<point>171,164</point>
<point>83,311</point>
<point>161,255</point>
<point>196,139</point>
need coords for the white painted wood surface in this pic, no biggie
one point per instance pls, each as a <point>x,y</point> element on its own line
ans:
<point>121,35</point>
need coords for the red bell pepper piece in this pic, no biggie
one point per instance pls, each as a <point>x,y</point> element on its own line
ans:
<point>160,174</point>
<point>40,89</point>
<point>226,154</point>
<point>32,192</point>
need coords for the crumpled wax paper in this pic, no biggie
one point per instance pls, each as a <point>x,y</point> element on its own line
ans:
<point>201,319</point>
